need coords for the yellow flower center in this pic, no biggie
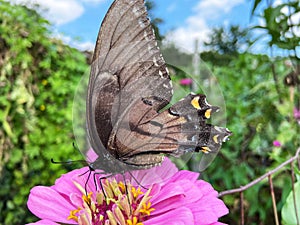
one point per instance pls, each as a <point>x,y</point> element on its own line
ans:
<point>121,205</point>
<point>134,221</point>
<point>136,192</point>
<point>147,209</point>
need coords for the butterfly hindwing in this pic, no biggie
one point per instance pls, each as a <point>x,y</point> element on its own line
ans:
<point>180,129</point>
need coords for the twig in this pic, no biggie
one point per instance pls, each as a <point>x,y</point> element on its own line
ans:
<point>243,188</point>
<point>242,208</point>
<point>273,200</point>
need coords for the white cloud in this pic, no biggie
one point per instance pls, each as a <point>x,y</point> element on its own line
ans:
<point>216,7</point>
<point>57,11</point>
<point>93,1</point>
<point>184,37</point>
<point>61,12</point>
<point>196,27</point>
<point>82,46</point>
<point>88,45</point>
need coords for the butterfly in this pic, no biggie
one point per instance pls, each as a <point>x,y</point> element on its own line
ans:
<point>129,121</point>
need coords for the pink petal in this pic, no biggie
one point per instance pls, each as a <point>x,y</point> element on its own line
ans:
<point>180,216</point>
<point>206,188</point>
<point>76,199</point>
<point>46,203</point>
<point>43,222</point>
<point>168,198</point>
<point>65,184</point>
<point>184,175</point>
<point>168,191</point>
<point>191,192</point>
<point>209,206</point>
<point>166,169</point>
<point>213,205</point>
<point>206,216</point>
<point>147,177</point>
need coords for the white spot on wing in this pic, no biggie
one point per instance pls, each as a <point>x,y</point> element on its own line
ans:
<point>225,139</point>
<point>141,23</point>
<point>167,70</point>
<point>146,36</point>
<point>135,11</point>
<point>160,73</point>
<point>171,85</point>
<point>206,102</point>
<point>195,138</point>
<point>165,86</point>
<point>155,62</point>
<point>218,129</point>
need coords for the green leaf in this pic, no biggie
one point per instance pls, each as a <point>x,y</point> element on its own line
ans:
<point>255,4</point>
<point>288,211</point>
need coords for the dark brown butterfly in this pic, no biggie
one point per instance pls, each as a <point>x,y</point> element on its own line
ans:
<point>129,124</point>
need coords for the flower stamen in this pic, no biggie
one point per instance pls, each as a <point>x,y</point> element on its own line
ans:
<point>87,198</point>
<point>134,221</point>
<point>117,207</point>
<point>147,209</point>
<point>136,192</point>
<point>73,214</point>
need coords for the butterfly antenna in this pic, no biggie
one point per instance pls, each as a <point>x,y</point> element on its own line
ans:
<point>75,146</point>
<point>136,180</point>
<point>86,182</point>
<point>100,182</point>
<point>102,189</point>
<point>68,162</point>
<point>127,193</point>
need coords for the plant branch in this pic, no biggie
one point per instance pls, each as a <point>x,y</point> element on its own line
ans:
<point>243,188</point>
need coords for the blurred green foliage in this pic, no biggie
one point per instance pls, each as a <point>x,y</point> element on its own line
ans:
<point>38,75</point>
<point>257,118</point>
<point>260,100</point>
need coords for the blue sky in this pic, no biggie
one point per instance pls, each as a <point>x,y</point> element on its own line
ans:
<point>77,21</point>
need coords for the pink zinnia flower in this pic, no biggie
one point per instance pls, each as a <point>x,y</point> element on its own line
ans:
<point>186,81</point>
<point>180,199</point>
<point>276,143</point>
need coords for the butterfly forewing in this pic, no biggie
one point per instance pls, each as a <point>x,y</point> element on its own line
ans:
<point>127,66</point>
